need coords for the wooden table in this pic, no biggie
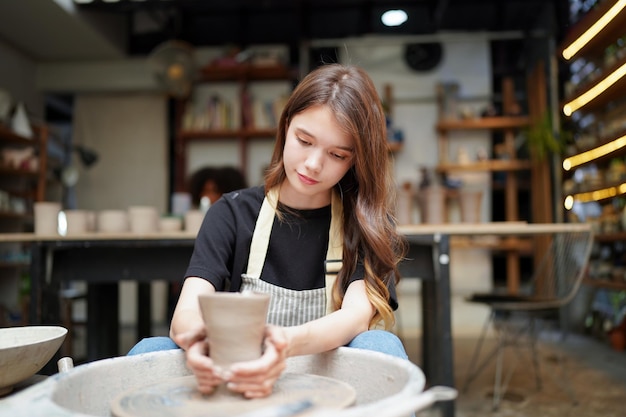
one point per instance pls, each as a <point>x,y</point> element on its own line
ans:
<point>102,260</point>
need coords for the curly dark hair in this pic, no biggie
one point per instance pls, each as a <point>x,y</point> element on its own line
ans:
<point>226,179</point>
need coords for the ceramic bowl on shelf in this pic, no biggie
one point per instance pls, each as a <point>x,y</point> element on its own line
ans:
<point>25,350</point>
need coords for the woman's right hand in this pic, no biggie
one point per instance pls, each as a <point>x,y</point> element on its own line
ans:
<point>196,347</point>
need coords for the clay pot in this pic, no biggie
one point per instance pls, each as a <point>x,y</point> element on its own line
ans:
<point>235,324</point>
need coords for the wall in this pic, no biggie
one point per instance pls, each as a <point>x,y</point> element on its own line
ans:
<point>17,76</point>
<point>129,132</point>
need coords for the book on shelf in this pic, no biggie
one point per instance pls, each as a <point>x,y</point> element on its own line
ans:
<point>266,113</point>
<point>214,114</point>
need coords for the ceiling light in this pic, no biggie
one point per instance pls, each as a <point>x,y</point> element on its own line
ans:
<point>394,17</point>
<point>593,30</point>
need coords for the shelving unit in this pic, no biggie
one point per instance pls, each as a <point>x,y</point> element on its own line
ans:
<point>245,131</point>
<point>599,98</point>
<point>508,126</point>
<point>21,187</point>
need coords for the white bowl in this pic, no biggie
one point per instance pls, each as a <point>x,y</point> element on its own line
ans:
<point>25,350</point>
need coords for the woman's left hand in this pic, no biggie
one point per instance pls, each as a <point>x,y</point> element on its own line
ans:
<point>256,378</point>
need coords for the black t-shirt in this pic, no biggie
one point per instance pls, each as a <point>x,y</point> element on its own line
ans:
<point>296,252</point>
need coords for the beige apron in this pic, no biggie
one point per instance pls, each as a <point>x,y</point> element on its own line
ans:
<point>291,307</point>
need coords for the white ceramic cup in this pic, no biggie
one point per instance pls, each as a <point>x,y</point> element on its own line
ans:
<point>143,219</point>
<point>112,221</point>
<point>76,221</point>
<point>170,224</point>
<point>46,217</point>
<point>193,221</point>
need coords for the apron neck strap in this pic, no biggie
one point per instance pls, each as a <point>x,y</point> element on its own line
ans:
<point>263,230</point>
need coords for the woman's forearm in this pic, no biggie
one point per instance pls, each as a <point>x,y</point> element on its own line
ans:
<point>326,333</point>
<point>187,315</point>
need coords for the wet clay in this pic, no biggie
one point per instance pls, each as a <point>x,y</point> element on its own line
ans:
<point>179,397</point>
<point>235,323</point>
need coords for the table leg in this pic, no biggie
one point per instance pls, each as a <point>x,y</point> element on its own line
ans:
<point>144,310</point>
<point>36,273</point>
<point>102,321</point>
<point>442,297</point>
<point>42,288</point>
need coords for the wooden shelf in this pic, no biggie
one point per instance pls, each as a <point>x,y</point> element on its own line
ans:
<point>28,185</point>
<point>213,73</point>
<point>242,75</point>
<point>605,283</point>
<point>519,245</point>
<point>611,237</point>
<point>492,123</point>
<point>13,215</point>
<point>13,265</point>
<point>226,133</point>
<point>508,126</point>
<point>15,172</point>
<point>491,165</point>
<point>9,136</point>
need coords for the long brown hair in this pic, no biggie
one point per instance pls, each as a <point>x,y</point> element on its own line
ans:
<point>367,189</point>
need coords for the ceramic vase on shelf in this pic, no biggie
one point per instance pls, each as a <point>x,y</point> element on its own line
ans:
<point>20,123</point>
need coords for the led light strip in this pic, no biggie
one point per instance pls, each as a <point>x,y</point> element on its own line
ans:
<point>595,91</point>
<point>596,195</point>
<point>590,155</point>
<point>593,30</point>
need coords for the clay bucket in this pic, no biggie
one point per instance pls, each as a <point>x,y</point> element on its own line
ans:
<point>386,386</point>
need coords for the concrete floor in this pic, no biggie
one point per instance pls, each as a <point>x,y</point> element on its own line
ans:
<point>595,374</point>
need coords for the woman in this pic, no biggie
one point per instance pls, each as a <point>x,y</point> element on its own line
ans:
<point>324,208</point>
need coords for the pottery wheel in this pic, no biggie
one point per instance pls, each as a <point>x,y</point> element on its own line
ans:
<point>179,397</point>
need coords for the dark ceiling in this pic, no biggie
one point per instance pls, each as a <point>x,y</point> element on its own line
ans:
<point>247,22</point>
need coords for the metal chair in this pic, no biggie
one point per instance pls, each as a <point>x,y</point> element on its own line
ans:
<point>516,318</point>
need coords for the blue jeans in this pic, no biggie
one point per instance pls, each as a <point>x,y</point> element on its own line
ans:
<point>376,340</point>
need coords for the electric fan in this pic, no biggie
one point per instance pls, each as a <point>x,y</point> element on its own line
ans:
<point>173,66</point>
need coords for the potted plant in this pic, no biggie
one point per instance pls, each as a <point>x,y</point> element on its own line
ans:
<point>617,331</point>
<point>543,141</point>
